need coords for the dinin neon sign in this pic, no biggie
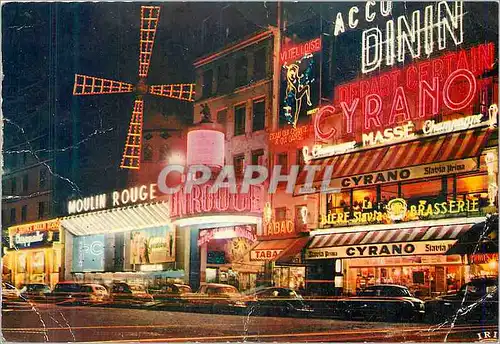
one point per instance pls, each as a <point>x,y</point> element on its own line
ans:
<point>445,82</point>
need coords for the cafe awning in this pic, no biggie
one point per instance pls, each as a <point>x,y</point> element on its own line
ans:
<point>479,239</point>
<point>441,148</point>
<point>427,233</point>
<point>118,219</point>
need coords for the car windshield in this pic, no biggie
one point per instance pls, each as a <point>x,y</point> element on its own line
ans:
<point>67,287</point>
<point>36,287</point>
<point>137,288</point>
<point>8,286</point>
<point>184,289</point>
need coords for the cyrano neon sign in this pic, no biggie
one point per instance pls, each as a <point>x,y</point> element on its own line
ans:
<point>420,91</point>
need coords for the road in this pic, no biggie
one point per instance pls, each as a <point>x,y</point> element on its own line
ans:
<point>91,324</point>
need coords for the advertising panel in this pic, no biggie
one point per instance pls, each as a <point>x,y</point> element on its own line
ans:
<point>88,253</point>
<point>300,81</point>
<point>152,245</point>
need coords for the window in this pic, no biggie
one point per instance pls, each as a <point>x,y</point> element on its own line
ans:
<point>207,83</point>
<point>238,163</point>
<point>259,64</point>
<point>223,79</point>
<point>25,158</point>
<point>25,183</point>
<point>280,214</point>
<point>259,114</point>
<point>364,199</point>
<point>13,186</point>
<point>14,160</point>
<point>299,221</point>
<point>222,116</point>
<point>42,178</point>
<point>339,202</point>
<point>41,210</point>
<point>239,120</point>
<point>300,157</point>
<point>282,160</point>
<point>258,157</point>
<point>13,215</point>
<point>241,71</point>
<point>24,212</point>
<point>148,153</point>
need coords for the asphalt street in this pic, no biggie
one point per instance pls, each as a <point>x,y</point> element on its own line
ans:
<point>38,323</point>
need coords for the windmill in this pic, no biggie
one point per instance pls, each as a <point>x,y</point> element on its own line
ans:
<point>89,85</point>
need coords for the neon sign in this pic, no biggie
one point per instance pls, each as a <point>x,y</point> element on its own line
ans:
<point>400,132</point>
<point>299,80</point>
<point>201,201</point>
<point>290,135</point>
<point>133,195</point>
<point>443,85</point>
<point>246,231</point>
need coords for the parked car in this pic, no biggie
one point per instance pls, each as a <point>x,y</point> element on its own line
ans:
<point>391,302</point>
<point>9,292</point>
<point>129,294</point>
<point>172,295</point>
<point>216,297</point>
<point>78,293</point>
<point>476,300</point>
<point>35,291</point>
<point>277,301</point>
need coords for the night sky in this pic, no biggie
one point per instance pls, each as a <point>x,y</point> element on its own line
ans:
<point>44,45</point>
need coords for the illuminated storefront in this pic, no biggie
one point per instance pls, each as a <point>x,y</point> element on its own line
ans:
<point>34,253</point>
<point>129,237</point>
<point>408,157</point>
<point>222,228</point>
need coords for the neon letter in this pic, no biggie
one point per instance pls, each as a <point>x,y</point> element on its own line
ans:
<point>457,23</point>
<point>465,99</point>
<point>327,110</point>
<point>399,106</point>
<point>339,25</point>
<point>352,22</point>
<point>371,39</point>
<point>349,112</point>
<point>369,16</point>
<point>433,93</point>
<point>409,38</point>
<point>373,109</point>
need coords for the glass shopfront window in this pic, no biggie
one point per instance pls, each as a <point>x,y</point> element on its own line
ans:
<point>425,276</point>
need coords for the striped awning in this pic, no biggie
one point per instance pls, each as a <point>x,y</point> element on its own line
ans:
<point>445,232</point>
<point>118,220</point>
<point>449,147</point>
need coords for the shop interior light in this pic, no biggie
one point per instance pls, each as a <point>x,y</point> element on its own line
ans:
<point>304,212</point>
<point>268,212</point>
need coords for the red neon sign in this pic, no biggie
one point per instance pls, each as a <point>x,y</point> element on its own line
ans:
<point>422,90</point>
<point>295,52</point>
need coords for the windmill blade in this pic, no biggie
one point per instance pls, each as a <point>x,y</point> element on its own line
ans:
<point>177,91</point>
<point>90,85</point>
<point>131,158</point>
<point>149,21</point>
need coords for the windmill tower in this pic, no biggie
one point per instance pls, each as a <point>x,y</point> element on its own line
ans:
<point>89,85</point>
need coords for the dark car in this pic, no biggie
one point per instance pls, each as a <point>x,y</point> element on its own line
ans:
<point>277,301</point>
<point>173,295</point>
<point>70,293</point>
<point>216,297</point>
<point>129,294</point>
<point>35,291</point>
<point>476,300</point>
<point>9,292</point>
<point>386,301</point>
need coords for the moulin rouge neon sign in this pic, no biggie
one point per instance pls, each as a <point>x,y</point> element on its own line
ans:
<point>418,92</point>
